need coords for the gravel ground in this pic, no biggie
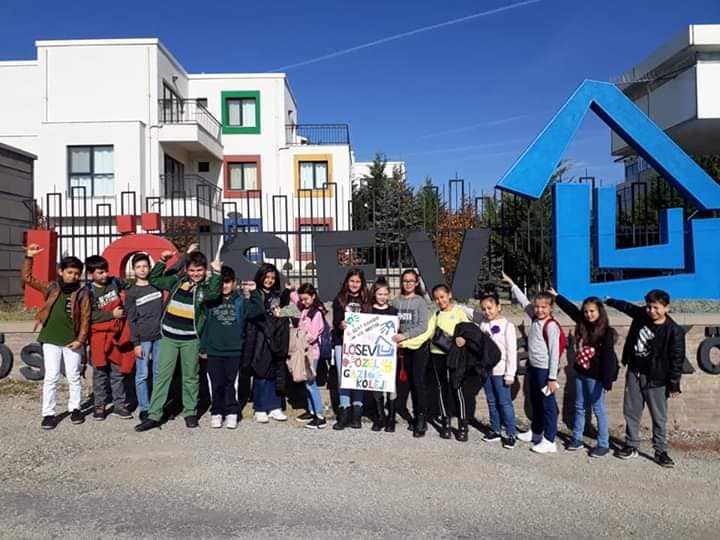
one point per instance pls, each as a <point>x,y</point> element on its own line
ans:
<point>103,480</point>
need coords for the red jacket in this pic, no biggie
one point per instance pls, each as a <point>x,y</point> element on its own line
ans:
<point>110,340</point>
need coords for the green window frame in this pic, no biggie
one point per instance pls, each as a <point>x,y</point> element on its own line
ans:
<point>227,129</point>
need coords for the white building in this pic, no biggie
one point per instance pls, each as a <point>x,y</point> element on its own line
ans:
<point>361,169</point>
<point>122,121</point>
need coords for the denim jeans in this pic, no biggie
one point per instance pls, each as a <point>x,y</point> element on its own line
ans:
<point>545,409</point>
<point>151,351</point>
<point>265,397</point>
<point>346,395</point>
<point>590,392</point>
<point>500,406</point>
<point>315,404</point>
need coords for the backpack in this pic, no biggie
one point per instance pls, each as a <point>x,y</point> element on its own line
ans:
<point>326,342</point>
<point>563,336</point>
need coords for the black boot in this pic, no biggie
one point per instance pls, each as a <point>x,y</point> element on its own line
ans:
<point>390,419</point>
<point>445,432</point>
<point>420,425</point>
<point>379,420</point>
<point>342,419</point>
<point>462,432</point>
<point>356,422</point>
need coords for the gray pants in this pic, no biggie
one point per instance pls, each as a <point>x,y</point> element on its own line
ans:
<point>637,394</point>
<point>109,385</point>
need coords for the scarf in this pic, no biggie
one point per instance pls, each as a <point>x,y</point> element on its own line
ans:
<point>68,288</point>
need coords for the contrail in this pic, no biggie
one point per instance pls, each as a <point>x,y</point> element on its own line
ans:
<point>462,129</point>
<point>406,34</point>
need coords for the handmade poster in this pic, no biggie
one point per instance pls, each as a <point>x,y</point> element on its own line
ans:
<point>369,352</point>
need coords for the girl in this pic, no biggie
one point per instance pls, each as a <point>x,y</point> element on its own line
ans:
<point>595,367</point>
<point>353,297</point>
<point>311,321</point>
<point>445,320</point>
<point>265,351</point>
<point>414,351</point>
<point>379,296</point>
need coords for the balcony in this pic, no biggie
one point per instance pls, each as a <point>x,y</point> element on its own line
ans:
<point>189,126</point>
<point>190,195</point>
<point>317,134</point>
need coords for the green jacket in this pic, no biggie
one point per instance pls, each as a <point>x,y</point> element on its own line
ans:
<point>207,291</point>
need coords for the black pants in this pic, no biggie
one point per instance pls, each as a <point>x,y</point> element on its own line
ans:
<point>415,363</point>
<point>459,401</point>
<point>223,371</point>
<point>244,387</point>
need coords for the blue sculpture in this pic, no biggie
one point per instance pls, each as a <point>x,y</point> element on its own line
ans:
<point>684,246</point>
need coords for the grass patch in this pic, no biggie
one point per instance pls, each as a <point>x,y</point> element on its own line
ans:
<point>16,311</point>
<point>18,388</point>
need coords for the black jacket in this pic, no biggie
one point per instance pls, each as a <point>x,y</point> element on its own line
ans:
<point>478,357</point>
<point>266,344</point>
<point>603,366</point>
<point>667,347</point>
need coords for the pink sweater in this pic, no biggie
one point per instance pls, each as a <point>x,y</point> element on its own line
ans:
<point>313,326</point>
<point>503,334</point>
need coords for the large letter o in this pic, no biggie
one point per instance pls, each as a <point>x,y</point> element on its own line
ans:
<point>118,253</point>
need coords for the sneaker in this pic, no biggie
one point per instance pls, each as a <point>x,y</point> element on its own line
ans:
<point>493,436</point>
<point>627,452</point>
<point>317,422</point>
<point>147,425</point>
<point>508,443</point>
<point>544,447</point>
<point>277,414</point>
<point>574,445</point>
<point>305,417</point>
<point>599,451</point>
<point>76,417</point>
<point>122,412</point>
<point>144,415</point>
<point>191,421</point>
<point>48,422</point>
<point>662,459</point>
<point>99,413</point>
<point>231,421</point>
<point>529,436</point>
<point>216,421</point>
<point>261,417</point>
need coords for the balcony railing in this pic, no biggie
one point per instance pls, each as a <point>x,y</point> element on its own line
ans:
<point>320,134</point>
<point>190,186</point>
<point>188,111</point>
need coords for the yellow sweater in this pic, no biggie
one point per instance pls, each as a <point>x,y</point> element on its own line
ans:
<point>445,320</point>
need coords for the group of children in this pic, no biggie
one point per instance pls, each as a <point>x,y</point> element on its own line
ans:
<point>197,313</point>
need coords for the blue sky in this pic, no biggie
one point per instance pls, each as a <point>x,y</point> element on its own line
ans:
<point>463,98</point>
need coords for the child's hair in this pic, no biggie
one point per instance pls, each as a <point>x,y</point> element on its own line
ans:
<point>544,295</point>
<point>96,262</point>
<point>492,297</point>
<point>309,288</point>
<point>592,333</point>
<point>380,283</point>
<point>659,296</point>
<point>264,270</point>
<point>418,287</point>
<point>71,262</point>
<point>197,258</point>
<point>344,293</point>
<point>227,274</point>
<point>140,257</point>
<point>440,287</point>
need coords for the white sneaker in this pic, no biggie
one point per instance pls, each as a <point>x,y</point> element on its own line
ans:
<point>529,436</point>
<point>261,417</point>
<point>545,447</point>
<point>216,421</point>
<point>277,414</point>
<point>231,421</point>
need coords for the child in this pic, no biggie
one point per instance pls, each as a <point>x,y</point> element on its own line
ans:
<point>222,342</point>
<point>107,320</point>
<point>414,352</point>
<point>595,367</point>
<point>654,353</point>
<point>353,297</point>
<point>65,320</point>
<point>498,383</point>
<point>311,321</point>
<point>379,296</point>
<point>182,323</point>
<point>543,365</point>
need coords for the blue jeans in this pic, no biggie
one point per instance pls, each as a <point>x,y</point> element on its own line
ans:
<point>151,351</point>
<point>500,407</point>
<point>346,395</point>
<point>265,398</point>
<point>545,409</point>
<point>315,404</point>
<point>590,392</point>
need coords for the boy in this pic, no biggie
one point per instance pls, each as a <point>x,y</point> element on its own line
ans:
<point>107,321</point>
<point>222,342</point>
<point>182,323</point>
<point>654,353</point>
<point>65,319</point>
<point>543,363</point>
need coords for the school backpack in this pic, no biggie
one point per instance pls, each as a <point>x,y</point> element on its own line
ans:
<point>563,336</point>
<point>326,342</point>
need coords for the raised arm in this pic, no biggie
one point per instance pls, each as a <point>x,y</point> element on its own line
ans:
<point>568,307</point>
<point>631,310</point>
<point>27,268</point>
<point>157,278</point>
<point>519,296</point>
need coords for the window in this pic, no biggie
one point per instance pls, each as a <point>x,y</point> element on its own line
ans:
<point>306,230</point>
<point>240,112</point>
<point>242,176</point>
<point>91,167</point>
<point>172,109</point>
<point>174,178</point>
<point>203,166</point>
<point>313,174</point>
<point>201,102</point>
